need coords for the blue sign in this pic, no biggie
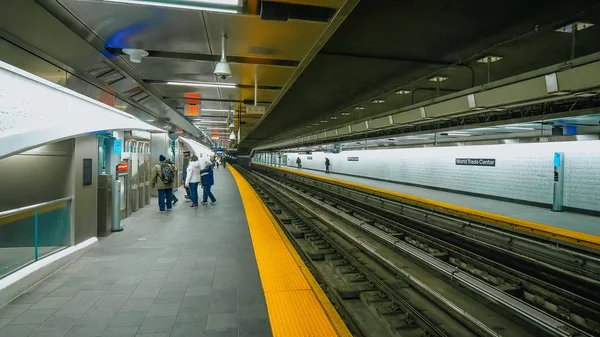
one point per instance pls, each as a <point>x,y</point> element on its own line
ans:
<point>117,146</point>
<point>556,159</point>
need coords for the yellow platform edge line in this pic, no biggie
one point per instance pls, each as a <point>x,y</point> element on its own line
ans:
<point>557,233</point>
<point>332,315</point>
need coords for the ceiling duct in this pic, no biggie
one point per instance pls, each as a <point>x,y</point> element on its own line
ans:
<point>278,11</point>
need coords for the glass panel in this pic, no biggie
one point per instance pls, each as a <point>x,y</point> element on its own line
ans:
<point>16,241</point>
<point>54,228</point>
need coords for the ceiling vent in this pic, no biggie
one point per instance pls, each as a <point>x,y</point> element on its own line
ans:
<point>277,11</point>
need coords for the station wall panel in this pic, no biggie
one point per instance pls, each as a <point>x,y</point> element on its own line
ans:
<point>522,171</point>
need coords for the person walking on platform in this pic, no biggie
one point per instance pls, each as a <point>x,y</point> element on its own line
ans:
<point>186,162</point>
<point>217,161</point>
<point>193,179</point>
<point>208,180</point>
<point>327,163</point>
<point>168,161</point>
<point>163,176</point>
<point>299,162</point>
<point>224,160</point>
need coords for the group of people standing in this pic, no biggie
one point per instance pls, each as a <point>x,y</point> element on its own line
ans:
<point>194,175</point>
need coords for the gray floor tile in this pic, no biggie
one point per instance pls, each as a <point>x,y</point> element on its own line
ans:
<point>169,297</point>
<point>5,320</point>
<point>60,322</point>
<point>154,335</point>
<point>48,334</point>
<point>34,316</point>
<point>120,332</point>
<point>122,288</point>
<point>191,317</point>
<point>112,300</point>
<point>175,286</point>
<point>90,329</point>
<point>127,319</point>
<point>195,304</point>
<point>141,304</point>
<point>158,310</point>
<point>29,298</point>
<point>188,329</point>
<point>23,330</point>
<point>253,311</point>
<point>221,321</point>
<point>102,314</point>
<point>162,274</point>
<point>51,303</point>
<point>145,293</point>
<point>231,332</point>
<point>157,324</point>
<point>255,327</point>
<point>198,291</point>
<point>14,310</point>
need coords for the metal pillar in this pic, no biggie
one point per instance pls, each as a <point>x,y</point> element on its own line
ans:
<point>116,204</point>
<point>557,202</point>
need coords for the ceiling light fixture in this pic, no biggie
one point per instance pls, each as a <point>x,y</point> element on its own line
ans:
<point>199,5</point>
<point>150,120</point>
<point>204,84</point>
<point>212,122</point>
<point>438,78</point>
<point>135,55</point>
<point>232,136</point>
<point>578,26</point>
<point>378,101</point>
<point>332,117</point>
<point>345,114</point>
<point>402,92</point>
<point>324,121</point>
<point>359,108</point>
<point>216,110</point>
<point>489,59</point>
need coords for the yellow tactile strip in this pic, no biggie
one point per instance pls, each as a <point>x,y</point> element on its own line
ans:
<point>556,233</point>
<point>296,304</point>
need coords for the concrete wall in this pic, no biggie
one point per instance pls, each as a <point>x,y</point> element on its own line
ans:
<point>523,172</point>
<point>36,176</point>
<point>84,207</point>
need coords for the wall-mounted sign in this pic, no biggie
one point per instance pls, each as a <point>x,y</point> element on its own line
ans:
<point>87,171</point>
<point>352,158</point>
<point>117,146</point>
<point>140,134</point>
<point>123,167</point>
<point>476,161</point>
<point>192,110</point>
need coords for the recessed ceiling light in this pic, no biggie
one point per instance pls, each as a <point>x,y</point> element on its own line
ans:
<point>359,108</point>
<point>332,117</point>
<point>438,78</point>
<point>150,120</point>
<point>378,101</point>
<point>345,114</point>
<point>489,59</point>
<point>216,110</point>
<point>579,26</point>
<point>403,92</point>
<point>203,84</point>
<point>324,121</point>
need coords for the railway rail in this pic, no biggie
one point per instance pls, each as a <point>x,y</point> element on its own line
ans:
<point>330,228</point>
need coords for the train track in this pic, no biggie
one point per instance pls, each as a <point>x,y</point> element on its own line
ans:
<point>507,292</point>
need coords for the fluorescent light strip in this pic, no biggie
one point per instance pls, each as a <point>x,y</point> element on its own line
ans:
<point>204,84</point>
<point>177,6</point>
<point>216,110</point>
<point>212,122</point>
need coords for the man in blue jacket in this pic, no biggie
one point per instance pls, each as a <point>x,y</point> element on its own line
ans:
<point>207,180</point>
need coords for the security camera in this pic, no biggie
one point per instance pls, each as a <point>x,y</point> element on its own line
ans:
<point>223,70</point>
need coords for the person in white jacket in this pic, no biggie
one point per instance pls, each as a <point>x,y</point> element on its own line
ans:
<point>192,180</point>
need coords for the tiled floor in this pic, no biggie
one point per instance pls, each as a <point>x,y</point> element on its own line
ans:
<point>180,274</point>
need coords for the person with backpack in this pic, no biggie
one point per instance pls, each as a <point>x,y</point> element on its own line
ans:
<point>208,180</point>
<point>299,162</point>
<point>186,162</point>
<point>168,161</point>
<point>163,176</point>
<point>193,179</point>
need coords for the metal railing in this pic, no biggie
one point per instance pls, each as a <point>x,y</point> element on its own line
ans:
<point>33,232</point>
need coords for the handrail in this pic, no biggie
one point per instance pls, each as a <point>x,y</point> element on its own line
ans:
<point>27,208</point>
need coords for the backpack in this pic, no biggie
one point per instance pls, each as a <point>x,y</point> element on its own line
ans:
<point>167,174</point>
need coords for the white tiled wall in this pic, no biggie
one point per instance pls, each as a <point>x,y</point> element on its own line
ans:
<point>522,171</point>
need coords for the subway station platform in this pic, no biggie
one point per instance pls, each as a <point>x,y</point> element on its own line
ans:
<point>572,225</point>
<point>219,270</point>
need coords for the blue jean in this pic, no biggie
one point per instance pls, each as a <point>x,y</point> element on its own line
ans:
<point>206,193</point>
<point>162,194</point>
<point>194,193</point>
